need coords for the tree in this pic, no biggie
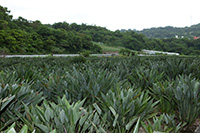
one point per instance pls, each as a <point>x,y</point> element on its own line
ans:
<point>3,24</point>
<point>4,14</point>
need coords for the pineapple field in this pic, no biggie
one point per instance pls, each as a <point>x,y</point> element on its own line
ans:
<point>100,94</point>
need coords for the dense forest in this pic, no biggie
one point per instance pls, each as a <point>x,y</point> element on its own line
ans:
<point>22,36</point>
<point>169,32</point>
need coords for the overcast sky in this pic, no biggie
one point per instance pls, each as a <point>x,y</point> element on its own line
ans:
<point>112,14</point>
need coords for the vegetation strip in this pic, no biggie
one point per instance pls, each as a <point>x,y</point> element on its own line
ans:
<point>95,94</point>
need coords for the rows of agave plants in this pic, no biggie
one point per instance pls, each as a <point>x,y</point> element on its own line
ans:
<point>115,94</point>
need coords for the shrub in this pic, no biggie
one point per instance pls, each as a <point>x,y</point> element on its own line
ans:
<point>187,98</point>
<point>78,59</point>
<point>85,53</point>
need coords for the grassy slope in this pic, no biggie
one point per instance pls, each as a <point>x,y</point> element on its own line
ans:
<point>106,48</point>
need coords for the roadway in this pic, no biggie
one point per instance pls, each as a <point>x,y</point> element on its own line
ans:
<point>55,55</point>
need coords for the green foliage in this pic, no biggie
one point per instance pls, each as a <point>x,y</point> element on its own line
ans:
<point>144,77</point>
<point>126,52</point>
<point>85,53</point>
<point>24,129</point>
<point>21,36</point>
<point>106,48</point>
<point>187,95</point>
<point>103,94</point>
<point>14,96</point>
<point>125,106</point>
<point>164,123</point>
<point>78,59</point>
<point>89,84</point>
<point>164,93</point>
<point>62,116</point>
<point>170,32</point>
<point>4,51</point>
<point>181,96</point>
<point>4,14</point>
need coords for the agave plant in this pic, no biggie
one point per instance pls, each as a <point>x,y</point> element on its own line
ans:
<point>125,107</point>
<point>51,83</point>
<point>181,95</point>
<point>177,66</point>
<point>62,117</point>
<point>11,129</point>
<point>12,99</point>
<point>163,92</point>
<point>8,76</point>
<point>144,78</point>
<point>187,98</point>
<point>90,84</point>
<point>164,123</point>
<point>24,129</point>
<point>101,95</point>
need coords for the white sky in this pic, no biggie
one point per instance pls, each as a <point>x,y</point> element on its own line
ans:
<point>112,14</point>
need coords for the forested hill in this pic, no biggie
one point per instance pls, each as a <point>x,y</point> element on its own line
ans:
<point>22,36</point>
<point>169,32</point>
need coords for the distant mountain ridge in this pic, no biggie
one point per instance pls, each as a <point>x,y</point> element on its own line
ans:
<point>169,32</point>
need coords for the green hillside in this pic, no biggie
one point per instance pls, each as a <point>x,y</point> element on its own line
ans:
<point>22,36</point>
<point>169,32</point>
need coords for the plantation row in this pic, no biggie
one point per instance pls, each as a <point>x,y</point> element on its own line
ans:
<point>116,94</point>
